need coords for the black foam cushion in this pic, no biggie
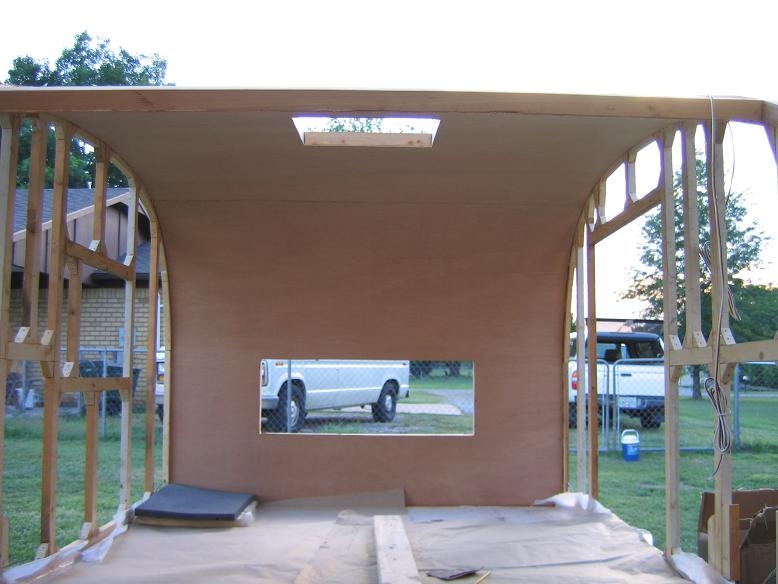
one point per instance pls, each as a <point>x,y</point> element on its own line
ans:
<point>176,501</point>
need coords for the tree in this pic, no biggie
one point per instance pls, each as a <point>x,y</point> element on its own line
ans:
<point>90,63</point>
<point>371,125</point>
<point>744,242</point>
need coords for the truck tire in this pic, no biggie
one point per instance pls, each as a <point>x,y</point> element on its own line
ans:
<point>386,406</point>
<point>651,420</point>
<point>277,420</point>
<point>572,418</point>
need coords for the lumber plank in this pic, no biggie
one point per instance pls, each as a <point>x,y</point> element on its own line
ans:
<point>90,465</point>
<point>670,329</point>
<point>29,352</point>
<point>102,164</point>
<point>151,355</point>
<point>630,177</point>
<point>34,229</point>
<point>582,483</point>
<point>367,139</point>
<point>396,564</point>
<point>691,238</point>
<point>64,133</point>
<point>125,470</point>
<point>95,384</point>
<point>719,322</point>
<point>98,260</point>
<point>591,358</point>
<point>9,149</point>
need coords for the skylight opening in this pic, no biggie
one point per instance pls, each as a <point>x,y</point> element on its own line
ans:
<point>367,132</point>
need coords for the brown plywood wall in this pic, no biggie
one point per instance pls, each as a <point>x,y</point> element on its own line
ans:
<point>373,280</point>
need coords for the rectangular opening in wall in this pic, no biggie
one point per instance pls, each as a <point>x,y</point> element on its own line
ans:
<point>367,132</point>
<point>367,397</point>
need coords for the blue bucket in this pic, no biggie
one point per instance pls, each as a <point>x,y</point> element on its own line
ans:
<point>630,445</point>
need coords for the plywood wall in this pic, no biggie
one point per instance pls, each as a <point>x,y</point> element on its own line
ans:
<point>368,281</point>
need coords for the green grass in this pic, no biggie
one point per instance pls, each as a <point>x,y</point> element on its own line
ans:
<point>22,481</point>
<point>332,422</point>
<point>441,382</point>
<point>635,490</point>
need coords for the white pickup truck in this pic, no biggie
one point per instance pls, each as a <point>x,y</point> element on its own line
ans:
<point>319,384</point>
<point>629,373</point>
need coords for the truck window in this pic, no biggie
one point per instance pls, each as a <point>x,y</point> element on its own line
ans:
<point>645,350</point>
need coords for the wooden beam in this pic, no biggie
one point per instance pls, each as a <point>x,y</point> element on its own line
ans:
<point>9,152</point>
<point>582,480</point>
<point>51,381</point>
<point>350,102</point>
<point>634,211</point>
<point>74,312</point>
<point>670,330</point>
<point>591,358</point>
<point>766,350</point>
<point>98,260</point>
<point>34,230</point>
<point>95,384</point>
<point>102,166</point>
<point>29,352</point>
<point>125,471</point>
<point>151,355</point>
<point>719,322</point>
<point>565,409</point>
<point>691,232</point>
<point>168,338</point>
<point>630,180</point>
<point>396,564</point>
<point>90,466</point>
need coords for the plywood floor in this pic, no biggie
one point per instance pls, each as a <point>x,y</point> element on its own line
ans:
<point>330,540</point>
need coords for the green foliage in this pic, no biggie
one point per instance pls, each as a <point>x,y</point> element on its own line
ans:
<point>86,63</point>
<point>744,242</point>
<point>371,125</point>
<point>89,62</point>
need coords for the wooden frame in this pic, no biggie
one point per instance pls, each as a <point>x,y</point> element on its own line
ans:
<point>66,259</point>
<point>719,351</point>
<point>593,226</point>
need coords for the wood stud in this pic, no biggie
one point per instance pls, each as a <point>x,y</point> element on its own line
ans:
<point>9,149</point>
<point>720,348</point>
<point>24,344</point>
<point>670,330</point>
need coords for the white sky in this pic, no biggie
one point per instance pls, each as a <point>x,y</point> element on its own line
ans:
<point>653,47</point>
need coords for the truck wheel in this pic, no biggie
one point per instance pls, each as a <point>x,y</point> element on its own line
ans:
<point>161,413</point>
<point>650,420</point>
<point>572,418</point>
<point>386,406</point>
<point>277,420</point>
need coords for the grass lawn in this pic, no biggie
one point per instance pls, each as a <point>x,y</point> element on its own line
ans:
<point>441,382</point>
<point>23,440</point>
<point>635,490</point>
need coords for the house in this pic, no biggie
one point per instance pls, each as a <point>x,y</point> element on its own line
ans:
<point>102,300</point>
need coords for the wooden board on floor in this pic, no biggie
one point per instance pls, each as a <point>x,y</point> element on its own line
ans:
<point>393,551</point>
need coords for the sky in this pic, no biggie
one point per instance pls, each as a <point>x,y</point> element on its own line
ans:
<point>656,47</point>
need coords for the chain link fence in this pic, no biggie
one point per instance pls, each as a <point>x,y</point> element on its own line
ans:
<point>632,398</point>
<point>24,385</point>
<point>328,396</point>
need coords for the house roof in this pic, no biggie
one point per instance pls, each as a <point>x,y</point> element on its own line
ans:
<point>78,200</point>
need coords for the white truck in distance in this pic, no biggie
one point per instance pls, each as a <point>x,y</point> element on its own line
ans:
<point>319,384</point>
<point>630,373</point>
